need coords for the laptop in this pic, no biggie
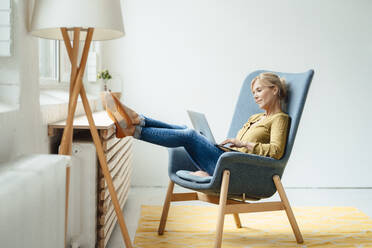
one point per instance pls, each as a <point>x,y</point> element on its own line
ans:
<point>200,124</point>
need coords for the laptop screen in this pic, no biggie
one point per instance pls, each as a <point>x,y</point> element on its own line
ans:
<point>200,124</point>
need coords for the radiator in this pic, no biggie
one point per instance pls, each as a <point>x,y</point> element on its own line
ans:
<point>83,196</point>
<point>32,201</point>
<point>91,214</point>
<point>92,218</point>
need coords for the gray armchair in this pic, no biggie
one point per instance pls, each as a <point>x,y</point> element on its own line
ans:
<point>239,176</point>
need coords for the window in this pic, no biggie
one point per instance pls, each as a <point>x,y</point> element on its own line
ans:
<point>49,60</point>
<point>54,63</point>
<point>9,86</point>
<point>5,28</point>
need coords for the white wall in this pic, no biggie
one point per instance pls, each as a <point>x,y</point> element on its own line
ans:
<point>194,54</point>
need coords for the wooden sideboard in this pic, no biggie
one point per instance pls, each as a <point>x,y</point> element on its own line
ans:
<point>118,154</point>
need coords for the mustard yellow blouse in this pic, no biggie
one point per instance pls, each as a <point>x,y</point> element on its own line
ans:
<point>269,135</point>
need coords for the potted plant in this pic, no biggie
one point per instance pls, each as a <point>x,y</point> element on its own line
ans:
<point>105,76</point>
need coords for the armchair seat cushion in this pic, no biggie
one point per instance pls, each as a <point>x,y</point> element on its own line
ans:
<point>186,175</point>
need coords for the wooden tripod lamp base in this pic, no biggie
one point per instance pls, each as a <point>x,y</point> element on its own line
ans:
<point>76,89</point>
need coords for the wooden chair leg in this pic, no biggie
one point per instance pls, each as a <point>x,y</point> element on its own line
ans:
<point>221,208</point>
<point>288,209</point>
<point>237,221</point>
<point>166,206</point>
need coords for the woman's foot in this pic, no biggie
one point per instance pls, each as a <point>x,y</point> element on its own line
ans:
<point>200,173</point>
<point>114,104</point>
<point>124,118</point>
<point>134,117</point>
<point>122,130</point>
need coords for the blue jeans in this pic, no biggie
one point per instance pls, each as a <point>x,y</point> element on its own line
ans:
<point>203,152</point>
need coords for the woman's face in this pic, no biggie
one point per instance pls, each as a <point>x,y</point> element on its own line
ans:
<point>265,96</point>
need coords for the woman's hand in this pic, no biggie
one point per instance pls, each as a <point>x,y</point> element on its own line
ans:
<point>234,143</point>
<point>238,144</point>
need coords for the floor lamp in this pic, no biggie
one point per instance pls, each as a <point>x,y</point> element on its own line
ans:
<point>81,20</point>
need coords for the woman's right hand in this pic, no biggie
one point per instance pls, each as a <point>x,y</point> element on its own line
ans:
<point>234,143</point>
<point>238,144</point>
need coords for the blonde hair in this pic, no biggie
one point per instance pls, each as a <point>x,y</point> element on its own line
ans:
<point>271,80</point>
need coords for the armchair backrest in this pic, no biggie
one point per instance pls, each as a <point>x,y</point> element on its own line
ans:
<point>298,86</point>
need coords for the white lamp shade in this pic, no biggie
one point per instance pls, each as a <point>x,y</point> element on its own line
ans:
<point>102,15</point>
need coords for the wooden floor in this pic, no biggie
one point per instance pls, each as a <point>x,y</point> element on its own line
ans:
<point>359,198</point>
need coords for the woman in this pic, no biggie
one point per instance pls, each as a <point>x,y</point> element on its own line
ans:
<point>263,134</point>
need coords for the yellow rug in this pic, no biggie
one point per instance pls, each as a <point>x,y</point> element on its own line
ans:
<point>194,226</point>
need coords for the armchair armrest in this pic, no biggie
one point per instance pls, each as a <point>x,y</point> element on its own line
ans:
<point>249,173</point>
<point>229,159</point>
